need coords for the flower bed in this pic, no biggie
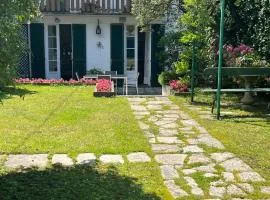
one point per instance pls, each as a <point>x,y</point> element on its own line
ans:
<point>104,88</point>
<point>40,81</point>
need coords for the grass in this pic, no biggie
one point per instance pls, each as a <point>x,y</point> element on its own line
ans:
<point>126,182</point>
<point>245,133</point>
<point>63,119</point>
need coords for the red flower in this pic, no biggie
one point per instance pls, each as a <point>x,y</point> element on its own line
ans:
<point>178,86</point>
<point>104,85</point>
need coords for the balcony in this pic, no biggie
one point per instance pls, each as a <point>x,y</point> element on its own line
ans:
<point>96,7</point>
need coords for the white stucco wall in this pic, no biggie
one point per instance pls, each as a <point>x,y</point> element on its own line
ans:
<point>98,56</point>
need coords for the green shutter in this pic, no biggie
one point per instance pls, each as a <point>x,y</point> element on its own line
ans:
<point>79,49</point>
<point>117,48</point>
<point>37,50</point>
<point>156,69</point>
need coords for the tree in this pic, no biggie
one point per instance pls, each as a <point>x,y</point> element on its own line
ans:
<point>147,11</point>
<point>12,15</point>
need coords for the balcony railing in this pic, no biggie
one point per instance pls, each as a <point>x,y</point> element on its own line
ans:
<point>87,6</point>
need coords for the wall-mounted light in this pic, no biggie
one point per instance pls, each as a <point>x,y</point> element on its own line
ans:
<point>98,29</point>
<point>57,20</point>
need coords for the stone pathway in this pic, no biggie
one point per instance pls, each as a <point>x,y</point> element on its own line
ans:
<point>41,161</point>
<point>186,153</point>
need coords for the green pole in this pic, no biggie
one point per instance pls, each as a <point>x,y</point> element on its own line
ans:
<point>193,72</point>
<point>221,38</point>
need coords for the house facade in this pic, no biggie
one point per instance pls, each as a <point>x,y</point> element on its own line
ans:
<point>75,36</point>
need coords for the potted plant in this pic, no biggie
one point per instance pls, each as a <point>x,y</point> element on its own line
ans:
<point>164,79</point>
<point>104,88</point>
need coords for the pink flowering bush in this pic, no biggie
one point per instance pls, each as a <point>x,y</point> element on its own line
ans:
<point>178,86</point>
<point>40,81</point>
<point>242,56</point>
<point>104,85</point>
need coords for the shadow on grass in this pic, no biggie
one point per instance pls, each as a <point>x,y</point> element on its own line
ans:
<point>8,92</point>
<point>78,183</point>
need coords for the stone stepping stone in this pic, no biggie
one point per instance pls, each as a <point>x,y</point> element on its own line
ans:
<point>149,134</point>
<point>207,168</point>
<point>195,190</point>
<point>143,126</point>
<point>192,141</point>
<point>250,177</point>
<point>189,123</point>
<point>217,191</point>
<point>86,159</point>
<point>154,107</point>
<point>192,149</point>
<point>62,160</point>
<point>235,164</point>
<point>163,122</point>
<point>154,102</point>
<point>217,183</point>
<point>208,140</point>
<point>173,116</point>
<point>235,191</point>
<point>171,159</point>
<point>168,132</point>
<point>246,187</point>
<point>198,158</point>
<point>220,157</point>
<point>189,171</point>
<point>184,129</point>
<point>202,130</point>
<point>152,140</point>
<point>138,108</point>
<point>169,140</point>
<point>138,157</point>
<point>265,190</point>
<point>168,172</point>
<point>165,148</point>
<point>136,99</point>
<point>26,161</point>
<point>112,159</point>
<point>170,112</point>
<point>228,177</point>
<point>143,113</point>
<point>210,175</point>
<point>175,190</point>
<point>171,125</point>
<point>153,119</point>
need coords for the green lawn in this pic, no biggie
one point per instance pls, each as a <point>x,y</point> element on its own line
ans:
<point>63,119</point>
<point>245,133</point>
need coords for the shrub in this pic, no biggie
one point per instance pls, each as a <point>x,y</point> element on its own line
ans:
<point>165,77</point>
<point>242,56</point>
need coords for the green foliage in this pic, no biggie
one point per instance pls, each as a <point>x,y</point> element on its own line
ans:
<point>147,11</point>
<point>165,77</point>
<point>12,14</point>
<point>256,15</point>
<point>94,71</point>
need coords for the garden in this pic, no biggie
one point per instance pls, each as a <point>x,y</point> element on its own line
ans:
<point>59,141</point>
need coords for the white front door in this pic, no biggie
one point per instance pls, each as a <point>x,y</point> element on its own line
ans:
<point>131,43</point>
<point>52,45</point>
